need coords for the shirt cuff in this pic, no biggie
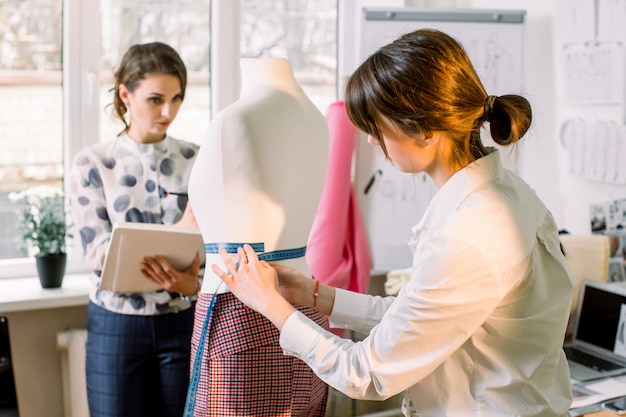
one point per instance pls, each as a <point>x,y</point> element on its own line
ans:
<point>298,335</point>
<point>347,307</point>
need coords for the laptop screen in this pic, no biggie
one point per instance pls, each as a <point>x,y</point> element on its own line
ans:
<point>601,319</point>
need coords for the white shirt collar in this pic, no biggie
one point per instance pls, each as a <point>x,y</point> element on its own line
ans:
<point>455,190</point>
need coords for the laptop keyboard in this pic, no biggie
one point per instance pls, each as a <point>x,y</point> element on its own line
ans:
<point>590,360</point>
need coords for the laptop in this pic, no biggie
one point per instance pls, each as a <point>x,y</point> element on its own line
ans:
<point>598,346</point>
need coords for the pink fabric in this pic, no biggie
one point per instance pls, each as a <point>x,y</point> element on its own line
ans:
<point>338,252</point>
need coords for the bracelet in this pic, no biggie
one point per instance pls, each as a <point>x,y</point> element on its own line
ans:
<point>315,294</point>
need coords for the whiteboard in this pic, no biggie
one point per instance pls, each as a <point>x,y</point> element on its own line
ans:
<point>393,202</point>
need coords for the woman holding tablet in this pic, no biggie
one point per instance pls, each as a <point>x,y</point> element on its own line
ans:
<point>138,344</point>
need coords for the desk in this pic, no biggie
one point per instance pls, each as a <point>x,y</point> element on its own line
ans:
<point>35,317</point>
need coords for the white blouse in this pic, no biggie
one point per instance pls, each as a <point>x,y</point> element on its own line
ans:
<point>479,328</point>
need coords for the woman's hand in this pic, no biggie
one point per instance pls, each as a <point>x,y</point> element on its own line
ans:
<point>159,270</point>
<point>254,283</point>
<point>293,285</point>
<point>300,289</point>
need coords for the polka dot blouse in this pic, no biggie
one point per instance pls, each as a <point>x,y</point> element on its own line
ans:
<point>126,181</point>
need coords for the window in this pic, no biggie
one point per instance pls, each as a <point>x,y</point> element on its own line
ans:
<point>183,24</point>
<point>31,132</point>
<point>57,59</point>
<point>305,32</point>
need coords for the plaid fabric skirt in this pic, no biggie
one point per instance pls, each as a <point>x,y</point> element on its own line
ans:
<point>244,371</point>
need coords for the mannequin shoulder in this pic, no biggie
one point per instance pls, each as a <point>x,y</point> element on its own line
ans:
<point>267,100</point>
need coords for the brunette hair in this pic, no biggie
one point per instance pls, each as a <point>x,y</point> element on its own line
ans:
<point>138,62</point>
<point>424,82</point>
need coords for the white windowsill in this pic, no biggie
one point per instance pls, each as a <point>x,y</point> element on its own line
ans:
<point>24,294</point>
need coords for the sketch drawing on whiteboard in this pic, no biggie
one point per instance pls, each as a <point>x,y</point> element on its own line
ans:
<point>487,57</point>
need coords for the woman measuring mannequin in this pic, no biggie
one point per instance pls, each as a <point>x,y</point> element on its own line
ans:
<point>478,329</point>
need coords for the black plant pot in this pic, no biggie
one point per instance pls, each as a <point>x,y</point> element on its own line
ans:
<point>51,269</point>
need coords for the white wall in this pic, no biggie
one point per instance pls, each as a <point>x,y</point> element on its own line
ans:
<point>545,165</point>
<point>540,149</point>
<point>542,160</point>
<point>579,194</point>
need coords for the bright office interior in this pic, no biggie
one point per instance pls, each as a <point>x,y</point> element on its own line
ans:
<point>56,59</point>
<point>57,56</point>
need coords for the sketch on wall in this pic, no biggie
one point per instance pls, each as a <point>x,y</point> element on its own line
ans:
<point>592,52</point>
<point>495,49</point>
<point>595,149</point>
<point>594,73</point>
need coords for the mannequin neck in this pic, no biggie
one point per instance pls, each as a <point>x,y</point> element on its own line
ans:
<point>273,72</point>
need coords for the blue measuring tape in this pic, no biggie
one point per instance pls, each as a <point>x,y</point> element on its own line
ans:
<point>231,247</point>
<point>190,402</point>
<point>277,255</point>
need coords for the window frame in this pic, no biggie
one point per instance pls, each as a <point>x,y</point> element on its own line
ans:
<point>81,86</point>
<point>81,59</point>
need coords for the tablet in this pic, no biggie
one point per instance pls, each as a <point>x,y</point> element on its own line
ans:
<point>130,242</point>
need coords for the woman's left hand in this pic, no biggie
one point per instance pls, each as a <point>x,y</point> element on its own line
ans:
<point>254,283</point>
<point>159,270</point>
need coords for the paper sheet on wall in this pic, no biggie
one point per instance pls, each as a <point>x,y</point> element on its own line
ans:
<point>595,150</point>
<point>576,21</point>
<point>611,20</point>
<point>594,74</point>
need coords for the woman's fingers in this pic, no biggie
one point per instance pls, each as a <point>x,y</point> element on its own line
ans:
<point>150,266</point>
<point>246,258</point>
<point>156,269</point>
<point>251,280</point>
<point>231,267</point>
<point>228,262</point>
<point>220,273</point>
<point>243,258</point>
<point>251,255</point>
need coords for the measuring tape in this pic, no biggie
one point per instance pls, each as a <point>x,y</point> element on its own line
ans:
<point>190,402</point>
<point>231,247</point>
<point>277,255</point>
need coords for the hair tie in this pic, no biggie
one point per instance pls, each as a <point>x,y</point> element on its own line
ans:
<point>489,106</point>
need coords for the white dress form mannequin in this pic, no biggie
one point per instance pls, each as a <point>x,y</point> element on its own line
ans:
<point>258,178</point>
<point>260,172</point>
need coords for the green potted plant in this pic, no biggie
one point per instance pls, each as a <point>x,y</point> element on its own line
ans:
<point>44,230</point>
